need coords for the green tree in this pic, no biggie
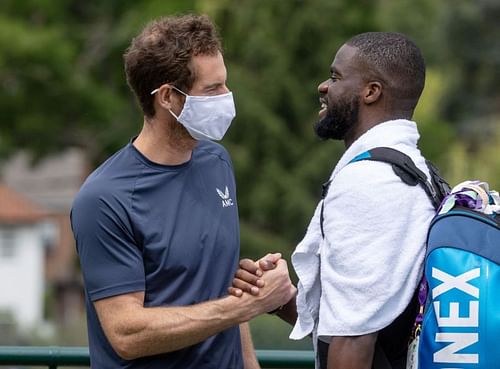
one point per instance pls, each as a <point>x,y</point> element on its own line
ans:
<point>61,73</point>
<point>471,52</point>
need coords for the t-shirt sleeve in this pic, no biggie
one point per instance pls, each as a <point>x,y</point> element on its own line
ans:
<point>375,227</point>
<point>110,258</point>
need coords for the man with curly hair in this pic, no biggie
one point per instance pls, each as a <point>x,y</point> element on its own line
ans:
<point>156,225</point>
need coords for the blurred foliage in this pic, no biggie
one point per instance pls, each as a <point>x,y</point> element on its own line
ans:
<point>270,333</point>
<point>61,73</point>
<point>62,84</point>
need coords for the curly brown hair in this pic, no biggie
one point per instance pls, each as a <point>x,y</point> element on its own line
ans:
<point>162,53</point>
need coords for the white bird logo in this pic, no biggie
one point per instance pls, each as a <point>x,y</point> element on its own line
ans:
<point>226,201</point>
<point>223,195</point>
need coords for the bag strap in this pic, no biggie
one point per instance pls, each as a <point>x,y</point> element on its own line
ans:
<point>436,189</point>
<point>324,192</point>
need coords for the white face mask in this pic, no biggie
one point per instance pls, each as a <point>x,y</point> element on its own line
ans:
<point>206,117</point>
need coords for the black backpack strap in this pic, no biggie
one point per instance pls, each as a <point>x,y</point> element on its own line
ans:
<point>436,189</point>
<point>442,187</point>
<point>324,192</point>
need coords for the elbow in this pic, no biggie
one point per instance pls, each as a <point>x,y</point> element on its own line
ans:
<point>122,319</point>
<point>125,346</point>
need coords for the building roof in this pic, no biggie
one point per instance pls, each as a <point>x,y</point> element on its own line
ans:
<point>16,209</point>
<point>52,182</point>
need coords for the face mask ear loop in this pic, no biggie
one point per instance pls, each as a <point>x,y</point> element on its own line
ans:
<point>173,114</point>
<point>179,91</point>
<point>175,88</point>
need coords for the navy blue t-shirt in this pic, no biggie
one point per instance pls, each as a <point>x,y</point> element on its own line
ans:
<point>170,231</point>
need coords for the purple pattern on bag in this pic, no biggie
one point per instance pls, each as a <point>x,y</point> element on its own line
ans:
<point>467,201</point>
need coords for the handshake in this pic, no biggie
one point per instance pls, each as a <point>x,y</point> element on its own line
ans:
<point>266,285</point>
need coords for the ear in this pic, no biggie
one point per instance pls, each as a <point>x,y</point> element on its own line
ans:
<point>372,92</point>
<point>164,96</point>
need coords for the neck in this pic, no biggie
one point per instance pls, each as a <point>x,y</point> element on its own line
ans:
<point>367,122</point>
<point>162,144</point>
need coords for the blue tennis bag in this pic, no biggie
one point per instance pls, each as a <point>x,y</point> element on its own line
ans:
<point>461,325</point>
<point>458,325</point>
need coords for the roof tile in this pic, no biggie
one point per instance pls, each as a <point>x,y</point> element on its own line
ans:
<point>15,209</point>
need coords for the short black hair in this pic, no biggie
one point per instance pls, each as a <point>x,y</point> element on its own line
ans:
<point>396,60</point>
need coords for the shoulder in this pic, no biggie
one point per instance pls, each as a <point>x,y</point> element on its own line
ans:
<point>212,151</point>
<point>365,178</point>
<point>367,175</point>
<point>113,181</point>
<point>374,187</point>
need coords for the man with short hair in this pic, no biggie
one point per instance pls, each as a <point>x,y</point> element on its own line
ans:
<point>156,225</point>
<point>361,258</point>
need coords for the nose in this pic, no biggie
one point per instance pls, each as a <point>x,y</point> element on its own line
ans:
<point>323,87</point>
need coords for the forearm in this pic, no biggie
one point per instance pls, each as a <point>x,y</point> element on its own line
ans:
<point>166,329</point>
<point>141,331</point>
<point>249,357</point>
<point>136,331</point>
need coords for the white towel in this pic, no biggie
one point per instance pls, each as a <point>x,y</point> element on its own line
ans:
<point>363,274</point>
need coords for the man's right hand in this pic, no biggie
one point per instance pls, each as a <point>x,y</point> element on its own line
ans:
<point>277,289</point>
<point>259,277</point>
<point>248,276</point>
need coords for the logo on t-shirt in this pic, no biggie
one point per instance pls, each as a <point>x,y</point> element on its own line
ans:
<point>226,200</point>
